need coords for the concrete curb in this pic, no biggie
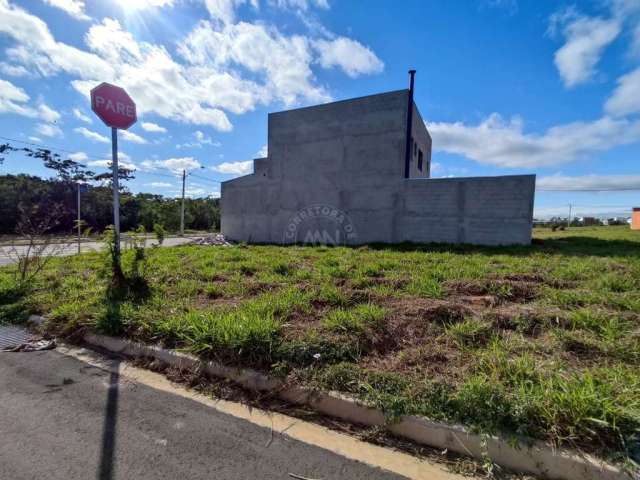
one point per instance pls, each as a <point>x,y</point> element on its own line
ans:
<point>534,457</point>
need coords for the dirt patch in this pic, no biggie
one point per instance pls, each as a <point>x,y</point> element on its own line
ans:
<point>412,339</point>
<point>528,320</point>
<point>204,301</point>
<point>423,312</point>
<point>503,290</point>
<point>256,288</point>
<point>437,359</point>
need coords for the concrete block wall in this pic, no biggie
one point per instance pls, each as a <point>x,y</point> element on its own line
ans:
<point>480,210</point>
<point>476,210</point>
<point>422,141</point>
<point>349,157</point>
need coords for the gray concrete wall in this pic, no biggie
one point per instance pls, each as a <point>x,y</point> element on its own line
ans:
<point>477,210</point>
<point>421,142</point>
<point>336,170</point>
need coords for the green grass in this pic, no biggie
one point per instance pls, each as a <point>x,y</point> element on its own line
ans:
<point>355,320</point>
<point>541,340</point>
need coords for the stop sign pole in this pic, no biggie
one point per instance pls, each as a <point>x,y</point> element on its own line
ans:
<point>116,188</point>
<point>117,110</point>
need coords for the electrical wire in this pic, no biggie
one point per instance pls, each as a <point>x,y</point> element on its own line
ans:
<point>173,176</point>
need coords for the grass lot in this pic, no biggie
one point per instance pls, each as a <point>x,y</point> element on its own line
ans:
<point>541,340</point>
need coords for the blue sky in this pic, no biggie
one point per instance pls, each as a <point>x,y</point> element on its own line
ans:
<point>505,86</point>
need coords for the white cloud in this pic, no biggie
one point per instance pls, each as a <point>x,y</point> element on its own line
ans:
<point>37,49</point>
<point>281,62</point>
<point>81,116</point>
<point>234,168</point>
<point>153,127</point>
<point>179,164</point>
<point>497,142</point>
<point>625,99</point>
<point>222,67</point>
<point>112,43</point>
<point>150,75</point>
<point>75,8</point>
<point>47,114</point>
<point>13,70</point>
<point>91,135</point>
<point>200,140</point>
<point>586,38</point>
<point>35,139</point>
<point>176,165</point>
<point>79,157</point>
<point>13,100</point>
<point>225,10</point>
<point>122,163</point>
<point>159,185</point>
<point>589,183</point>
<point>302,5</point>
<point>351,56</point>
<point>195,192</point>
<point>132,137</point>
<point>48,130</point>
<point>263,152</point>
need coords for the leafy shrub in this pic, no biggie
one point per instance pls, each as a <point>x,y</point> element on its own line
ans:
<point>160,232</point>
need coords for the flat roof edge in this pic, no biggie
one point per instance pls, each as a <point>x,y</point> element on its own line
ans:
<point>319,105</point>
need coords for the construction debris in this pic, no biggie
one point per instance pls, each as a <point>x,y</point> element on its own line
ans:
<point>32,346</point>
<point>217,239</point>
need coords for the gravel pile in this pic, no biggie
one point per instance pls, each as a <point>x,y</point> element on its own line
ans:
<point>217,239</point>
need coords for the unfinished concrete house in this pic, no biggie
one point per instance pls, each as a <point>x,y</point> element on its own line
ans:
<point>358,171</point>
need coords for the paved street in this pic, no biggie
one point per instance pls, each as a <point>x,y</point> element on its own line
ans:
<point>71,249</point>
<point>62,418</point>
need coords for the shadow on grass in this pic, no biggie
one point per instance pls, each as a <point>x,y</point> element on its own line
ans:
<point>13,305</point>
<point>130,290</point>
<point>576,246</point>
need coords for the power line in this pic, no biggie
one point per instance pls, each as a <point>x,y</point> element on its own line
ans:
<point>138,170</point>
<point>205,178</point>
<point>49,147</point>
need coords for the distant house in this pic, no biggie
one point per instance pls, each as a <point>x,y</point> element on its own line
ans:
<point>358,171</point>
<point>635,219</point>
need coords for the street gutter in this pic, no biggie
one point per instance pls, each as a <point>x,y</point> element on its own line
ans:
<point>527,456</point>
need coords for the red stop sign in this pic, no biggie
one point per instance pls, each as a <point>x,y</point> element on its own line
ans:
<point>113,105</point>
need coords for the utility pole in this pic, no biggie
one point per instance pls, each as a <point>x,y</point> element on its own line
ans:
<point>184,177</point>
<point>78,216</point>
<point>569,221</point>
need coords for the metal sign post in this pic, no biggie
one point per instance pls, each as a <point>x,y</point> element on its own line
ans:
<point>78,217</point>
<point>184,177</point>
<point>116,190</point>
<point>117,110</point>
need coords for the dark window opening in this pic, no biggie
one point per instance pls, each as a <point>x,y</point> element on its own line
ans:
<point>420,160</point>
<point>415,148</point>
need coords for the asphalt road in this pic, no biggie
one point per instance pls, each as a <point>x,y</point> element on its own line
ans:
<point>61,418</point>
<point>6,256</point>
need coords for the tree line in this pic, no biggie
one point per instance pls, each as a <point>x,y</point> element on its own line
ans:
<point>141,209</point>
<point>23,192</point>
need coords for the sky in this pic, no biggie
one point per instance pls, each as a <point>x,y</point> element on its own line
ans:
<point>505,86</point>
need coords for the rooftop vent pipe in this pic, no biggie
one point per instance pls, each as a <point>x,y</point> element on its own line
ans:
<point>407,150</point>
